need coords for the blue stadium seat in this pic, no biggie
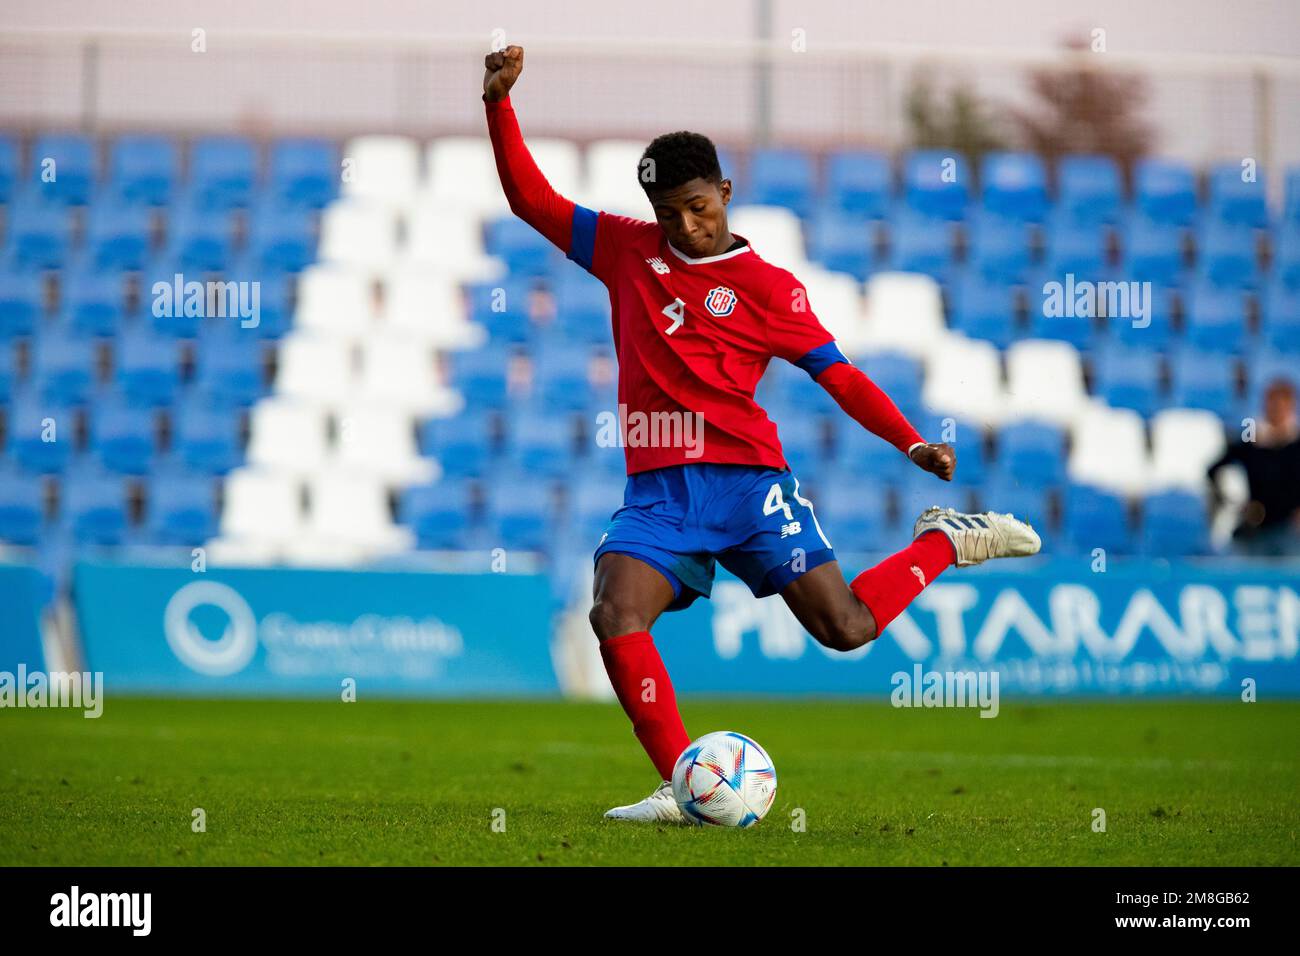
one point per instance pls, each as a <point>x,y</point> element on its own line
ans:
<point>143,169</point>
<point>148,369</point>
<point>123,437</point>
<point>39,233</point>
<point>22,508</point>
<point>1152,251</point>
<point>9,167</point>
<point>1225,255</point>
<point>439,514</point>
<point>1095,518</point>
<point>118,236</point>
<point>64,368</point>
<point>581,308</point>
<point>921,244</point>
<point>867,458</point>
<point>1205,380</point>
<point>223,171</point>
<point>899,375</point>
<point>521,513</point>
<point>859,183</point>
<point>936,183</point>
<point>1215,319</point>
<point>200,238</point>
<point>304,172</point>
<point>169,313</point>
<point>560,378</point>
<point>28,432</point>
<point>206,438</point>
<point>1015,186</point>
<point>843,242</point>
<point>93,303</point>
<point>967,440</point>
<point>524,250</point>
<point>540,443</point>
<point>592,503</point>
<point>1011,493</point>
<point>502,307</point>
<point>1174,525</point>
<point>181,508</point>
<point>1073,325</point>
<point>1280,315</point>
<point>782,177</point>
<point>853,514</point>
<point>228,366</point>
<point>63,168</point>
<point>275,317</point>
<point>21,303</point>
<point>281,237</point>
<point>984,310</point>
<point>804,452</point>
<point>1264,369</point>
<point>1032,451</point>
<point>1156,334</point>
<point>1129,378</point>
<point>1089,188</point>
<point>1165,190</point>
<point>1234,200</point>
<point>462,444</point>
<point>999,248</point>
<point>94,508</point>
<point>1286,255</point>
<point>480,376</point>
<point>1074,247</point>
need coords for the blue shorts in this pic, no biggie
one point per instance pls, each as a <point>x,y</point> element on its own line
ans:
<point>752,519</point>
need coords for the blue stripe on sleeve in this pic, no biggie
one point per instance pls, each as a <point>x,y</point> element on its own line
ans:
<point>821,358</point>
<point>583,242</point>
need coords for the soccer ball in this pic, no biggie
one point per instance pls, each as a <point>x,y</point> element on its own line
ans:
<point>724,779</point>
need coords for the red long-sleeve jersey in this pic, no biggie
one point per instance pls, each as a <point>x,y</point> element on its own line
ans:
<point>692,336</point>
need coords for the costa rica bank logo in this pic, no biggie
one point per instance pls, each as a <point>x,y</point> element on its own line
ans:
<point>228,654</point>
<point>720,301</point>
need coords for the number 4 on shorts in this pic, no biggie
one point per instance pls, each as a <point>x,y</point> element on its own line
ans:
<point>776,502</point>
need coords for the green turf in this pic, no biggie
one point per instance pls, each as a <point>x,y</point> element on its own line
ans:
<point>389,782</point>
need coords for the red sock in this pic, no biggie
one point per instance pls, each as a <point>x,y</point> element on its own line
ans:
<point>896,581</point>
<point>643,688</point>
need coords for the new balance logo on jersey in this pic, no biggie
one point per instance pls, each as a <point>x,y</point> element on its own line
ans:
<point>658,265</point>
<point>720,300</point>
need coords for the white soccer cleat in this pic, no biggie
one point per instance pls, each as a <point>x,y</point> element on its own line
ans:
<point>977,537</point>
<point>659,807</point>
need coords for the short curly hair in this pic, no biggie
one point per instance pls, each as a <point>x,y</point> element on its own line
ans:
<point>676,158</point>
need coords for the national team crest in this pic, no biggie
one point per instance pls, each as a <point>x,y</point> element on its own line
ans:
<point>720,300</point>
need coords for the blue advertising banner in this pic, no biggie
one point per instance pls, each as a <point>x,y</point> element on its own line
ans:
<point>20,618</point>
<point>290,631</point>
<point>1045,627</point>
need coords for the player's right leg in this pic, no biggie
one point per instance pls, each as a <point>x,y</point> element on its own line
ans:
<point>629,597</point>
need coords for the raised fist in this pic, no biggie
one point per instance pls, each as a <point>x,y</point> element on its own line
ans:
<point>502,69</point>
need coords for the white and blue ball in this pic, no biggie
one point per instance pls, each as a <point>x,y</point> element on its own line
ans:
<point>724,779</point>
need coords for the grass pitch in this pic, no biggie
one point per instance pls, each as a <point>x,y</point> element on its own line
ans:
<point>416,783</point>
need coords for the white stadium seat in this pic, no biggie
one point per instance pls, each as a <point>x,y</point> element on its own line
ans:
<point>1045,381</point>
<point>403,374</point>
<point>560,163</point>
<point>359,233</point>
<point>287,436</point>
<point>448,240</point>
<point>775,232</point>
<point>1109,450</point>
<point>463,175</point>
<point>964,377</point>
<point>335,300</point>
<point>429,308</point>
<point>261,508</point>
<point>1184,443</point>
<point>904,312</point>
<point>350,511</point>
<point>836,299</point>
<point>316,368</point>
<point>612,178</point>
<point>385,169</point>
<point>379,441</point>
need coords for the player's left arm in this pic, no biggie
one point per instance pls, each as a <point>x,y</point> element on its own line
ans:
<point>796,335</point>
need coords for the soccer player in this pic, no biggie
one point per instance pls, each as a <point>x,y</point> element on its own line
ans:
<point>697,315</point>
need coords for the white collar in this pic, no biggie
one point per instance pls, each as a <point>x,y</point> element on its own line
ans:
<point>707,259</point>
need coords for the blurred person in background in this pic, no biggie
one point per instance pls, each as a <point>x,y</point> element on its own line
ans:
<point>1270,520</point>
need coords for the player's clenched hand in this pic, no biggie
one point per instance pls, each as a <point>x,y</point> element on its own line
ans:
<point>502,69</point>
<point>936,458</point>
